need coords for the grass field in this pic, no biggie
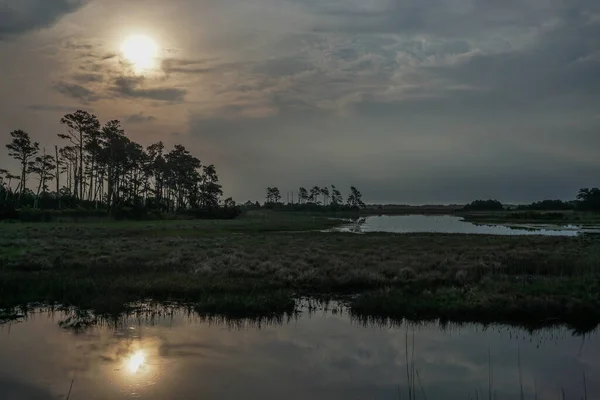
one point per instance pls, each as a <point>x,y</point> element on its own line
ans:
<point>259,264</point>
<point>563,217</point>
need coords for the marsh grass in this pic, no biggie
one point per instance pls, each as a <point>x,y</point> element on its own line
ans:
<point>549,217</point>
<point>412,371</point>
<point>260,263</point>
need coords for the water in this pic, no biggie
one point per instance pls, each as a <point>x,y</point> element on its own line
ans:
<point>316,356</point>
<point>453,224</point>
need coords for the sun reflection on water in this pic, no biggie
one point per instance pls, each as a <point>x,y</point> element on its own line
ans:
<point>135,362</point>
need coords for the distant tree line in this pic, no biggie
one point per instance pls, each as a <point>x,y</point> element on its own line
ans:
<point>484,205</point>
<point>324,198</point>
<point>99,168</point>
<point>321,198</point>
<point>548,205</point>
<point>588,199</point>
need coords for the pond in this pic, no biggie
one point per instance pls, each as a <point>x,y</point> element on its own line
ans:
<point>453,224</point>
<point>315,355</point>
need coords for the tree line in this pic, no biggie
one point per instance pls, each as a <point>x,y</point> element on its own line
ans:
<point>587,199</point>
<point>98,167</point>
<point>316,197</point>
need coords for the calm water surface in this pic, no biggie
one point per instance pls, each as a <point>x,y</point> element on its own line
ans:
<point>315,356</point>
<point>453,224</point>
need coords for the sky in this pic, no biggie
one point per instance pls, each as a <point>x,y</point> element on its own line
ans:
<point>411,101</point>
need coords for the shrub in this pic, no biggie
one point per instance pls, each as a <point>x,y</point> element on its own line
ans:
<point>484,205</point>
<point>27,214</point>
<point>7,211</point>
<point>537,215</point>
<point>547,205</point>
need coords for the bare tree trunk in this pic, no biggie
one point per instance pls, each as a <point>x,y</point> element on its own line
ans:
<point>57,176</point>
<point>23,177</point>
<point>37,195</point>
<point>98,191</point>
<point>9,189</point>
<point>102,189</point>
<point>99,183</point>
<point>75,178</point>
<point>80,165</point>
<point>91,191</point>
<point>18,189</point>
<point>71,178</point>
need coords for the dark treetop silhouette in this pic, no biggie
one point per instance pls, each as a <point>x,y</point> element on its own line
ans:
<point>102,169</point>
<point>321,198</point>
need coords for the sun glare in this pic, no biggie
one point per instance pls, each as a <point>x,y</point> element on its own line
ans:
<point>141,51</point>
<point>135,362</point>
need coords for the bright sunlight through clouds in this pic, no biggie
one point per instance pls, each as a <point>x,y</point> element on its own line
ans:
<point>141,51</point>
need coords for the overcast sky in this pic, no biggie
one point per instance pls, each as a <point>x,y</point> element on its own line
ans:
<point>412,101</point>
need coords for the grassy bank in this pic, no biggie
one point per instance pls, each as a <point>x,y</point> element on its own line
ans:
<point>258,264</point>
<point>532,217</point>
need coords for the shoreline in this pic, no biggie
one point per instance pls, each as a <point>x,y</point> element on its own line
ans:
<point>258,266</point>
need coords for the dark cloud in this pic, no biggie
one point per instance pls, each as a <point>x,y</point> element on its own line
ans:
<point>139,118</point>
<point>133,87</point>
<point>19,16</point>
<point>564,63</point>
<point>441,17</point>
<point>172,65</point>
<point>88,78</point>
<point>108,56</point>
<point>560,71</point>
<point>283,66</point>
<point>203,66</point>
<point>411,100</point>
<point>76,91</point>
<point>78,45</point>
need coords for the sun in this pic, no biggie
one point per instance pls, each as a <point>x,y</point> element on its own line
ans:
<point>141,51</point>
<point>135,361</point>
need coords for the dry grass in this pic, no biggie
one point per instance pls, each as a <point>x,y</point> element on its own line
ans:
<point>249,266</point>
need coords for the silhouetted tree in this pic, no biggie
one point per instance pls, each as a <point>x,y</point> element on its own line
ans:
<point>112,159</point>
<point>103,168</point>
<point>57,176</point>
<point>273,195</point>
<point>93,147</point>
<point>209,187</point>
<point>589,199</point>
<point>248,204</point>
<point>21,148</point>
<point>315,192</point>
<point>336,196</point>
<point>484,205</point>
<point>548,205</point>
<point>68,165</point>
<point>10,177</point>
<point>156,166</point>
<point>4,183</point>
<point>81,127</point>
<point>325,193</point>
<point>355,198</point>
<point>302,195</point>
<point>43,166</point>
<point>228,202</point>
<point>3,174</point>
